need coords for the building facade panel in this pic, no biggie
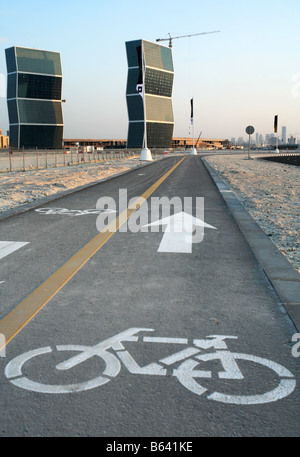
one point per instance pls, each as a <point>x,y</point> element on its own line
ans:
<point>39,112</point>
<point>132,78</point>
<point>158,82</point>
<point>13,135</point>
<point>135,108</point>
<point>158,56</point>
<point>34,92</point>
<point>13,111</point>
<point>152,65</point>
<point>39,86</point>
<point>11,86</point>
<point>11,62</point>
<point>47,136</point>
<point>131,52</point>
<point>159,109</point>
<point>38,61</point>
<point>135,134</point>
<point>159,133</point>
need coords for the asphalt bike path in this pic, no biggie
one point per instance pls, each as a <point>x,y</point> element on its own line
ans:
<point>139,338</point>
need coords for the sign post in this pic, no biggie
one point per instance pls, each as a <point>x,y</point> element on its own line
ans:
<point>193,151</point>
<point>250,130</point>
<point>275,131</point>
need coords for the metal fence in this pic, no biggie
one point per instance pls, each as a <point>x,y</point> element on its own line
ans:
<point>25,160</point>
<point>30,160</point>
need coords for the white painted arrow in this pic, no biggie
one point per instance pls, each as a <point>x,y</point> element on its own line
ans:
<point>7,247</point>
<point>178,235</point>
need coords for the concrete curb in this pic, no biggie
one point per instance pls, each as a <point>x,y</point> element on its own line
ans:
<point>284,279</point>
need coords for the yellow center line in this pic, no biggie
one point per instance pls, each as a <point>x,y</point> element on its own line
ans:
<point>19,317</point>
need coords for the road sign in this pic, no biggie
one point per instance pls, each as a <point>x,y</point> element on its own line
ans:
<point>250,130</point>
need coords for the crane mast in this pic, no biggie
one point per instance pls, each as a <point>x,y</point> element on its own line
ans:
<point>183,36</point>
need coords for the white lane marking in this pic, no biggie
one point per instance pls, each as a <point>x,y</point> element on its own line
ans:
<point>7,247</point>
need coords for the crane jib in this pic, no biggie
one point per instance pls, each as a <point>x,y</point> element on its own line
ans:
<point>184,36</point>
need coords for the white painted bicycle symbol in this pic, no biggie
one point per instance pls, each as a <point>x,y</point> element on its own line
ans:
<point>187,361</point>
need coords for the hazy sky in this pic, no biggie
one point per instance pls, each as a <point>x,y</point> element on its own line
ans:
<point>243,75</point>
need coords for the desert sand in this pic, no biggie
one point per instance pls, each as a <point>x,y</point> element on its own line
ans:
<point>18,187</point>
<point>270,192</point>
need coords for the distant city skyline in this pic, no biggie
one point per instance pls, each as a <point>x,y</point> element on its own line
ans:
<point>242,76</point>
<point>265,139</point>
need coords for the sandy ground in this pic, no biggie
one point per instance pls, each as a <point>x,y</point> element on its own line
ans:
<point>18,188</point>
<point>269,191</point>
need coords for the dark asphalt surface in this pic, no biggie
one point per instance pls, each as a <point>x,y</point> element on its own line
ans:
<point>218,289</point>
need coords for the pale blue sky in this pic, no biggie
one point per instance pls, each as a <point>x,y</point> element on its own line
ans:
<point>243,75</point>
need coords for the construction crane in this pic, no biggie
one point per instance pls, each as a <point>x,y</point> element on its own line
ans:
<point>198,139</point>
<point>183,36</point>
